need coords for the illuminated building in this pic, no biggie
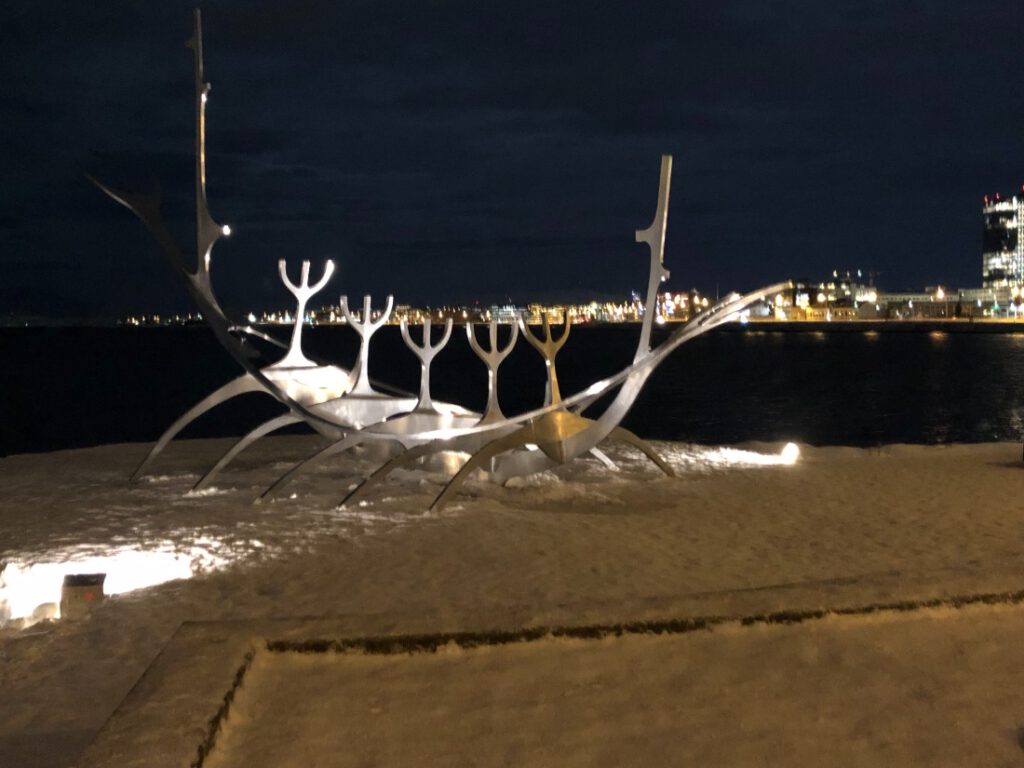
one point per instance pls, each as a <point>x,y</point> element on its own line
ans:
<point>1002,243</point>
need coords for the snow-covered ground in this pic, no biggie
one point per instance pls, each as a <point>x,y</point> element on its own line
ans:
<point>934,687</point>
<point>739,531</point>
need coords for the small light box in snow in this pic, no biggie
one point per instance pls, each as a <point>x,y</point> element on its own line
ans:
<point>81,591</point>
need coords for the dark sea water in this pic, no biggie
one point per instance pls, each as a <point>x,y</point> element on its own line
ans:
<point>71,387</point>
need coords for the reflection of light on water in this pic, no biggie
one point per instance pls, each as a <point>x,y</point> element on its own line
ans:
<point>29,584</point>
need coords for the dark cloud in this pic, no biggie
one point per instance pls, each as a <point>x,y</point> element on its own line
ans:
<point>458,150</point>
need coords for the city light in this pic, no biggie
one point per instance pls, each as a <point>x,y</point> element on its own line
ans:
<point>846,296</point>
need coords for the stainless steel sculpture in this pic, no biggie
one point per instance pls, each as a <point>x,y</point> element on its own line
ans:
<point>349,409</point>
<point>426,352</point>
<point>492,358</point>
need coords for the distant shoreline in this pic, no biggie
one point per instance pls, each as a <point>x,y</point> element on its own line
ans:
<point>944,325</point>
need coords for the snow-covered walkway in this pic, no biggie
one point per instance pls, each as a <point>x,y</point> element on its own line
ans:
<point>738,532</point>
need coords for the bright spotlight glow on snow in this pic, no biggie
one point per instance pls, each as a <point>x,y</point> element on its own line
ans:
<point>27,585</point>
<point>790,453</point>
<point>737,457</point>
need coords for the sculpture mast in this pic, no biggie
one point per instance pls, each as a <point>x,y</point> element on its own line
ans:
<point>654,236</point>
<point>207,230</point>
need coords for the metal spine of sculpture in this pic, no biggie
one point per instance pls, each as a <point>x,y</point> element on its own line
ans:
<point>345,405</point>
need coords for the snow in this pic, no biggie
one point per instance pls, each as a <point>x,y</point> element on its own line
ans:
<point>935,687</point>
<point>741,530</point>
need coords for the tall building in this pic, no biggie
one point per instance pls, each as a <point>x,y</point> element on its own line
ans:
<point>1002,242</point>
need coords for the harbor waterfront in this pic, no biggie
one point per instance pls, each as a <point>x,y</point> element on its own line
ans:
<point>455,439</point>
<point>858,383</point>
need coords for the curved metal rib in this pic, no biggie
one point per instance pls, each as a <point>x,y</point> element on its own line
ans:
<point>262,430</point>
<point>239,386</point>
<point>248,330</point>
<point>403,459</point>
<point>625,436</point>
<point>516,439</point>
<point>601,456</point>
<point>350,441</point>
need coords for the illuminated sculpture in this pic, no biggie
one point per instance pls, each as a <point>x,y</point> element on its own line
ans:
<point>350,410</point>
<point>492,358</point>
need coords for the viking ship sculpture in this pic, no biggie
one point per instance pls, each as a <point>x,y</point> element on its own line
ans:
<point>349,409</point>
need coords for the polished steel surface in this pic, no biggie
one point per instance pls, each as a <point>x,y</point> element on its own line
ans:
<point>426,352</point>
<point>492,358</point>
<point>548,349</point>
<point>302,293</point>
<point>365,326</point>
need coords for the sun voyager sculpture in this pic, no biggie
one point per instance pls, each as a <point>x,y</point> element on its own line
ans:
<point>348,409</point>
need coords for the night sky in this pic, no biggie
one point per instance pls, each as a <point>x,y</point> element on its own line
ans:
<point>453,152</point>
